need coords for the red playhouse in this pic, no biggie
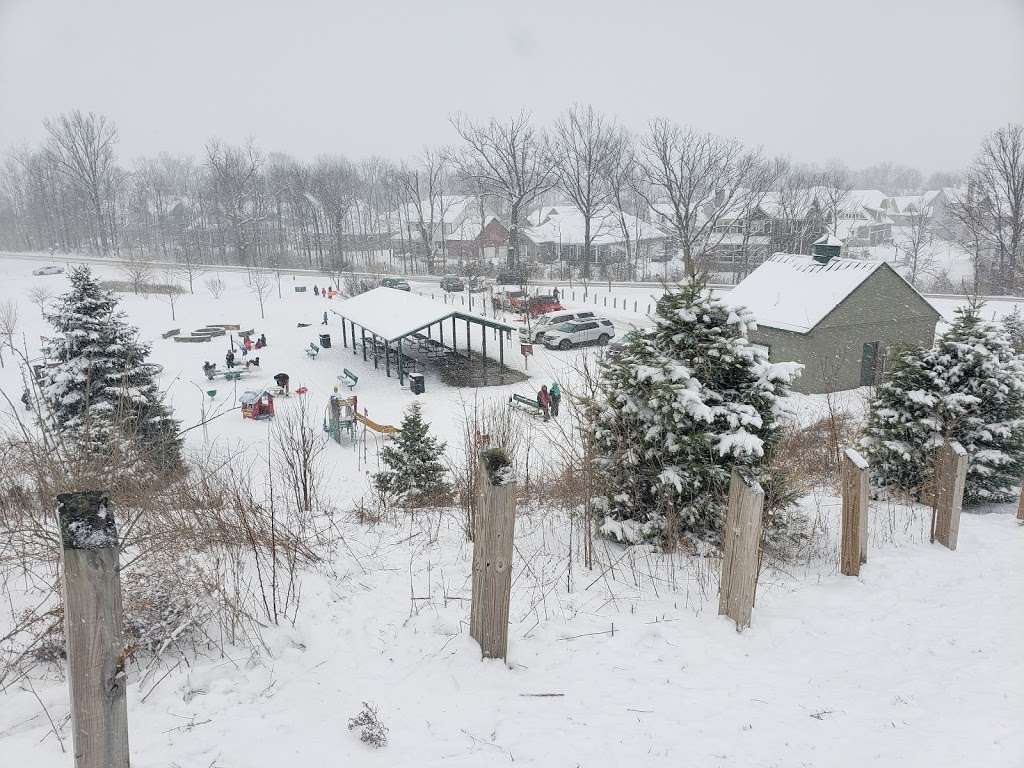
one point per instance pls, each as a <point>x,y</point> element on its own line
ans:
<point>257,404</point>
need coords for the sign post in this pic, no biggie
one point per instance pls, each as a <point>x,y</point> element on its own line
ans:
<point>526,350</point>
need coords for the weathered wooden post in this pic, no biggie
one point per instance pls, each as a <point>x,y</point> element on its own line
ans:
<point>853,549</point>
<point>93,629</point>
<point>492,554</point>
<point>950,479</point>
<point>741,541</point>
<point>1020,507</point>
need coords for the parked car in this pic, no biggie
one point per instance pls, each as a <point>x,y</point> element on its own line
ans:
<point>511,277</point>
<point>48,271</point>
<point>452,284</point>
<point>510,301</point>
<point>578,332</point>
<point>477,284</point>
<point>396,283</point>
<point>541,305</point>
<point>547,322</point>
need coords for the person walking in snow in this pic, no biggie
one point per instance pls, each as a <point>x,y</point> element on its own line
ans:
<point>229,359</point>
<point>556,294</point>
<point>544,401</point>
<point>556,398</point>
<point>26,399</point>
<point>316,291</point>
<point>324,320</point>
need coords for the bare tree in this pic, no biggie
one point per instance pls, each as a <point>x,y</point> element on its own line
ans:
<point>510,161</point>
<point>834,188</point>
<point>235,180</point>
<point>423,187</point>
<point>138,272</point>
<point>261,284</point>
<point>586,148</point>
<point>623,183</point>
<point>695,178</point>
<point>215,286</point>
<point>8,325</point>
<point>190,268</point>
<point>336,184</point>
<point>81,147</point>
<point>40,295</point>
<point>996,180</point>
<point>914,240</point>
<point>169,278</point>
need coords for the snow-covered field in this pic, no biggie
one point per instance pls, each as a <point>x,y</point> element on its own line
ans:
<point>915,663</point>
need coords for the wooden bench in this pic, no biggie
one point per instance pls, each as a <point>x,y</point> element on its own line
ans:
<point>169,334</point>
<point>233,375</point>
<point>526,403</point>
<point>312,351</point>
<point>349,379</point>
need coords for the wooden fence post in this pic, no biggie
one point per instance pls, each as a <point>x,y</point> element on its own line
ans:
<point>950,479</point>
<point>492,555</point>
<point>853,549</point>
<point>741,541</point>
<point>93,630</point>
<point>1020,507</point>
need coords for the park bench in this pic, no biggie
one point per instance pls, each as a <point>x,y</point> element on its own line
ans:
<point>250,332</point>
<point>349,379</point>
<point>233,375</point>
<point>169,334</point>
<point>526,403</point>
<point>312,351</point>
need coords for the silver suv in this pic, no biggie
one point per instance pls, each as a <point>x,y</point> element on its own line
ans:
<point>547,322</point>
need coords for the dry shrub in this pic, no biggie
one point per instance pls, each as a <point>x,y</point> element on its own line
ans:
<point>810,456</point>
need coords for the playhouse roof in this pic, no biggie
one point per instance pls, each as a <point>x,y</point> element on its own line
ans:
<point>392,314</point>
<point>795,293</point>
<point>251,396</point>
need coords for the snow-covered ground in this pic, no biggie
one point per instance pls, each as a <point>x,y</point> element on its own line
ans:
<point>914,663</point>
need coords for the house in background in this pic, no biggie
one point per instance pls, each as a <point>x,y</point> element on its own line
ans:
<point>838,317</point>
<point>557,234</point>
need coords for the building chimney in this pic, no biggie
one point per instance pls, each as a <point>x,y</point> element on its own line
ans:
<point>826,248</point>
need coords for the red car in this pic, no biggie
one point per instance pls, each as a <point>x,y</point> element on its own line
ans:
<point>539,305</point>
<point>509,300</point>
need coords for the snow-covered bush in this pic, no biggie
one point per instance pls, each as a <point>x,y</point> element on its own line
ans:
<point>969,387</point>
<point>99,393</point>
<point>371,730</point>
<point>677,409</point>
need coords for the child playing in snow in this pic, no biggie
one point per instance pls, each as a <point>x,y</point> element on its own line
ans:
<point>556,398</point>
<point>544,401</point>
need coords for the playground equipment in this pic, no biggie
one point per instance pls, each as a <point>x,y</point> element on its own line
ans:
<point>257,404</point>
<point>341,417</point>
<point>384,429</point>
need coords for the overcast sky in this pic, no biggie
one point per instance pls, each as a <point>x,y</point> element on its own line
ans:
<point>915,81</point>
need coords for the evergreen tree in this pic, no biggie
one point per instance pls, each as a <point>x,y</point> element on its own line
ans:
<point>681,406</point>
<point>903,422</point>
<point>1013,325</point>
<point>968,388</point>
<point>101,393</point>
<point>414,460</point>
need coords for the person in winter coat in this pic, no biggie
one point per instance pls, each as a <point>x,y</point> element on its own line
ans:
<point>229,359</point>
<point>544,401</point>
<point>324,322</point>
<point>281,379</point>
<point>316,291</point>
<point>555,293</point>
<point>247,343</point>
<point>26,399</point>
<point>556,398</point>
<point>261,342</point>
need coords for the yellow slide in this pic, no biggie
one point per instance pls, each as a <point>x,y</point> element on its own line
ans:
<point>384,429</point>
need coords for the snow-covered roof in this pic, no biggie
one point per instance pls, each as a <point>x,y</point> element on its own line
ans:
<point>829,240</point>
<point>867,198</point>
<point>795,293</point>
<point>391,314</point>
<point>565,224</point>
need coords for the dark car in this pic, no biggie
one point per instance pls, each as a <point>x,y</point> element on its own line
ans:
<point>396,283</point>
<point>511,277</point>
<point>452,284</point>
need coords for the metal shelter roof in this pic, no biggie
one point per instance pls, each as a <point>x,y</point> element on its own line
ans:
<point>392,314</point>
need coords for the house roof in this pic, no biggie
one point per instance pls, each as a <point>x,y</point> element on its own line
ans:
<point>392,314</point>
<point>565,224</point>
<point>795,293</point>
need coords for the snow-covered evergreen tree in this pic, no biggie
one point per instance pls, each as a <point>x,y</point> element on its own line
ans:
<point>904,422</point>
<point>101,395</point>
<point>681,406</point>
<point>969,388</point>
<point>415,462</point>
<point>1013,324</point>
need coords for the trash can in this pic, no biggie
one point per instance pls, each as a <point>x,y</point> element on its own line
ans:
<point>325,341</point>
<point>416,383</point>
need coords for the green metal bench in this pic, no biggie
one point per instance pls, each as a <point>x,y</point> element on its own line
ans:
<point>349,379</point>
<point>526,403</point>
<point>312,351</point>
<point>232,375</point>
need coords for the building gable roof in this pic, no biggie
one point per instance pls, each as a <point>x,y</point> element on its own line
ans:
<point>795,293</point>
